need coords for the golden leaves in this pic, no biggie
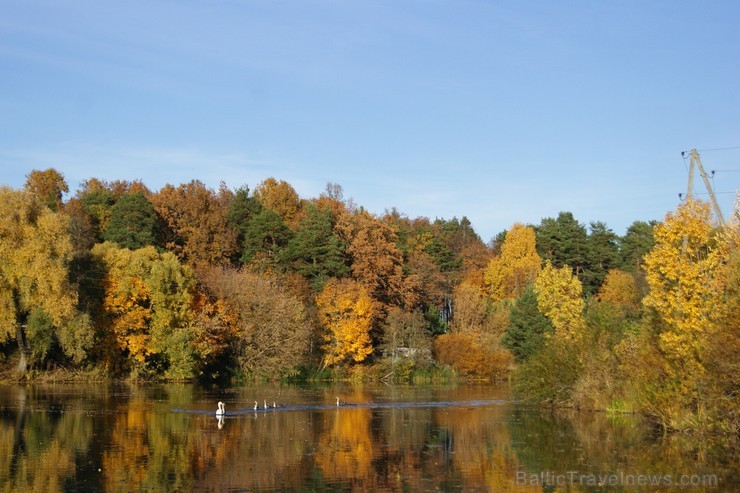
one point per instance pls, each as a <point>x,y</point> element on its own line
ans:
<point>468,356</point>
<point>47,186</point>
<point>281,198</point>
<point>147,299</point>
<point>345,449</point>
<point>346,311</point>
<point>35,250</point>
<point>681,269</point>
<point>620,288</point>
<point>518,265</point>
<point>559,298</point>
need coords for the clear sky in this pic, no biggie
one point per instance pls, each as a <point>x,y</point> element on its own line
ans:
<point>501,111</point>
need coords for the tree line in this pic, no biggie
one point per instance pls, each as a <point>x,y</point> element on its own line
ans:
<point>193,283</point>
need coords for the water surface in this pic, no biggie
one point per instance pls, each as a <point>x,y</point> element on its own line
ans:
<point>120,438</point>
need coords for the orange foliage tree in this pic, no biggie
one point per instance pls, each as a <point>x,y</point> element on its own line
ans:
<point>467,356</point>
<point>214,327</point>
<point>281,198</point>
<point>198,229</point>
<point>47,186</point>
<point>376,261</point>
<point>470,308</point>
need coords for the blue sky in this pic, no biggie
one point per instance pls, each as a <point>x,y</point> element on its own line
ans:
<point>501,111</point>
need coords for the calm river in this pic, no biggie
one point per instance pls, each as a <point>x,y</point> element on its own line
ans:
<point>386,438</point>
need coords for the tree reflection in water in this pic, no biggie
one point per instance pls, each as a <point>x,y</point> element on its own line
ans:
<point>128,438</point>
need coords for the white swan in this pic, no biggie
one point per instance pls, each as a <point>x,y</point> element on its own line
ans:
<point>221,409</point>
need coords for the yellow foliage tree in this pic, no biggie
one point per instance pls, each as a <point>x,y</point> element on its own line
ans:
<point>721,358</point>
<point>346,312</point>
<point>681,270</point>
<point>559,298</point>
<point>620,288</point>
<point>475,313</point>
<point>684,366</point>
<point>148,301</point>
<point>35,250</point>
<point>518,265</point>
<point>471,308</point>
<point>127,301</point>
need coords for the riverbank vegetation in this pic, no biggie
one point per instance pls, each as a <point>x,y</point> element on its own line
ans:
<point>190,283</point>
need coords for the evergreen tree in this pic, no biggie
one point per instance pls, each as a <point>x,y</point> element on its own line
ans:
<point>132,222</point>
<point>564,241</point>
<point>97,204</point>
<point>468,251</point>
<point>315,251</point>
<point>443,256</point>
<point>241,210</point>
<point>525,334</point>
<point>637,241</point>
<point>265,233</point>
<point>603,253</point>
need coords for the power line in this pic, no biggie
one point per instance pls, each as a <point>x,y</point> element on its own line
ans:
<point>716,193</point>
<point>719,149</point>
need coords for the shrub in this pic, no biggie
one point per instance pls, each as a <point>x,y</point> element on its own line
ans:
<point>468,357</point>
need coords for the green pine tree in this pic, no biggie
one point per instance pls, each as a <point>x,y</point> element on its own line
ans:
<point>603,253</point>
<point>132,222</point>
<point>637,241</point>
<point>525,335</point>
<point>264,233</point>
<point>315,251</point>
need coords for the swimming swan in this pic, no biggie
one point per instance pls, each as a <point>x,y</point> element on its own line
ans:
<point>340,403</point>
<point>221,409</point>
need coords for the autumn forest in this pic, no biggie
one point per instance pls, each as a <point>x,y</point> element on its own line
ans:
<point>191,283</point>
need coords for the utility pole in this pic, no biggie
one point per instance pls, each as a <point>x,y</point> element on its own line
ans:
<point>695,161</point>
